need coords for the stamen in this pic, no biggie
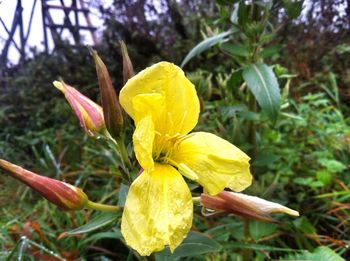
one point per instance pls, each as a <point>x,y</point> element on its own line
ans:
<point>182,123</point>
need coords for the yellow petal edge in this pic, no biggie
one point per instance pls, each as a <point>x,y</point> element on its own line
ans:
<point>217,163</point>
<point>179,110</point>
<point>158,211</point>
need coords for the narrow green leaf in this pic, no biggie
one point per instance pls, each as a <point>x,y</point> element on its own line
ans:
<point>262,81</point>
<point>12,253</point>
<point>94,224</point>
<point>261,229</point>
<point>258,247</point>
<point>243,14</point>
<point>235,49</point>
<point>113,235</point>
<point>204,45</point>
<point>123,192</point>
<point>322,253</point>
<point>235,80</point>
<point>195,244</point>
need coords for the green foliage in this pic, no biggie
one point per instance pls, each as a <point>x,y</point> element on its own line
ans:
<point>101,220</point>
<point>206,44</point>
<point>320,254</point>
<point>262,82</point>
<point>195,244</point>
<point>301,159</point>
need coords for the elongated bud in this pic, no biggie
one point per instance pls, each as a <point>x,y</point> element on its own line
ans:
<point>128,69</point>
<point>89,113</point>
<point>111,108</point>
<point>244,205</point>
<point>63,195</point>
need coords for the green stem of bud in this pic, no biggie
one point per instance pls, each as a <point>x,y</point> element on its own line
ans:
<point>196,200</point>
<point>101,207</point>
<point>124,153</point>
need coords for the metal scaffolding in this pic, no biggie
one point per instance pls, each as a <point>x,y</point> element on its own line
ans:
<point>70,24</point>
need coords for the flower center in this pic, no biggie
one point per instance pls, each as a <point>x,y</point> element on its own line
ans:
<point>164,146</point>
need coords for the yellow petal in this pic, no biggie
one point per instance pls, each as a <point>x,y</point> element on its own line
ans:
<point>180,110</point>
<point>150,104</point>
<point>143,138</point>
<point>217,163</point>
<point>158,211</point>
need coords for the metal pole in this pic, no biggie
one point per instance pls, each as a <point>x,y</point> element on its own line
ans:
<point>76,16</point>
<point>3,58</point>
<point>21,30</point>
<point>43,13</point>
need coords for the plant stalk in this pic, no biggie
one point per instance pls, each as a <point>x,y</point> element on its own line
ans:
<point>252,128</point>
<point>101,207</point>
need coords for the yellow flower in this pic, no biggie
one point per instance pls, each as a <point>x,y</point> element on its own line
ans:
<point>165,108</point>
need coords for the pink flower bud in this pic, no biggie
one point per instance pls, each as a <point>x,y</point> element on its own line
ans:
<point>63,195</point>
<point>88,112</point>
<point>244,205</point>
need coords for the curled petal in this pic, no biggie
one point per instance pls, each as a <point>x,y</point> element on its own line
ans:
<point>158,211</point>
<point>179,112</point>
<point>217,163</point>
<point>143,138</point>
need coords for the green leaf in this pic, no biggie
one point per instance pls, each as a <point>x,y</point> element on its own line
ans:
<point>262,81</point>
<point>324,176</point>
<point>243,14</point>
<point>270,51</point>
<point>226,2</point>
<point>235,80</point>
<point>321,253</point>
<point>260,229</point>
<point>195,244</point>
<point>99,221</point>
<point>123,192</point>
<point>332,165</point>
<point>113,235</point>
<point>234,14</point>
<point>258,247</point>
<point>304,225</point>
<point>235,49</point>
<point>293,9</point>
<point>204,45</point>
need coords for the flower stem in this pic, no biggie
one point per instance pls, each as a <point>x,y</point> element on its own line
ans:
<point>196,200</point>
<point>252,128</point>
<point>124,153</point>
<point>101,207</point>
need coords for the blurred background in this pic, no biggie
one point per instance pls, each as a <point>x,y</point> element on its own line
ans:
<point>301,158</point>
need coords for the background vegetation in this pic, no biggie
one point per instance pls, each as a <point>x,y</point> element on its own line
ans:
<point>301,155</point>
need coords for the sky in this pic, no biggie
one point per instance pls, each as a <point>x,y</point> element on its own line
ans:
<point>36,35</point>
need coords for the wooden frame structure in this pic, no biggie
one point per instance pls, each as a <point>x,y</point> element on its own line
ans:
<point>73,26</point>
